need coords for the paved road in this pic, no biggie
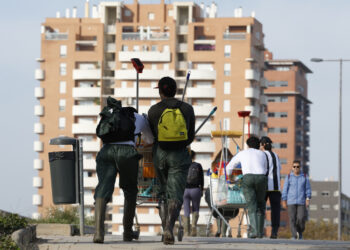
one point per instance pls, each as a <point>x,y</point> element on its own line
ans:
<point>148,243</point>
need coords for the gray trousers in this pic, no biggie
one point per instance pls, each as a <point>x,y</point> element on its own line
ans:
<point>296,215</point>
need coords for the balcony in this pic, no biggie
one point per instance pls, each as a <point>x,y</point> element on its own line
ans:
<point>146,74</point>
<point>39,74</point>
<point>182,48</point>
<point>206,129</point>
<point>143,92</point>
<point>37,200</point>
<point>87,74</point>
<point>39,92</point>
<point>263,83</point>
<point>86,110</point>
<point>90,182</point>
<point>89,200</point>
<point>203,110</point>
<point>150,36</point>
<point>38,110</point>
<point>252,75</point>
<point>110,29</point>
<point>84,128</point>
<point>38,164</point>
<point>203,147</point>
<point>203,74</point>
<point>89,164</point>
<point>38,128</point>
<point>145,56</point>
<point>201,92</point>
<point>37,182</point>
<point>234,36</point>
<point>182,30</point>
<point>110,48</point>
<point>38,146</point>
<point>80,93</point>
<point>110,65</point>
<point>56,36</point>
<point>263,100</point>
<point>254,129</point>
<point>254,110</point>
<point>263,118</point>
<point>91,146</point>
<point>251,93</point>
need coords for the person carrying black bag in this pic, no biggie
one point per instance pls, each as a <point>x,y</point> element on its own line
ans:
<point>193,193</point>
<point>273,192</point>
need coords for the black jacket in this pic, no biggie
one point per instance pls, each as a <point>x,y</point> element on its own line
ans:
<point>156,111</point>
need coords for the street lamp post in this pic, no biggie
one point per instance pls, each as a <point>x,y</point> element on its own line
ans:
<point>341,60</point>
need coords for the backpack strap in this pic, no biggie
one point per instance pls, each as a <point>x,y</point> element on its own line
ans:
<point>268,165</point>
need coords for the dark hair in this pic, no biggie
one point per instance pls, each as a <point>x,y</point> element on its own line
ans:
<point>193,154</point>
<point>297,161</point>
<point>253,142</point>
<point>167,86</point>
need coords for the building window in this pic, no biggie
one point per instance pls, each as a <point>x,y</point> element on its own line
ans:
<point>154,48</point>
<point>124,65</point>
<point>325,207</point>
<point>150,16</point>
<point>227,51</point>
<point>282,68</point>
<point>63,87</point>
<point>124,84</point>
<point>226,123</point>
<point>227,88</point>
<point>227,104</point>
<point>277,99</point>
<point>153,85</point>
<point>62,105</point>
<point>166,66</point>
<point>283,161</point>
<point>278,84</point>
<point>277,130</point>
<point>61,123</point>
<point>125,47</point>
<point>279,145</point>
<point>227,69</point>
<point>63,50</point>
<point>313,207</point>
<point>166,48</point>
<point>63,69</point>
<point>127,13</point>
<point>136,48</point>
<point>154,66</point>
<point>325,193</point>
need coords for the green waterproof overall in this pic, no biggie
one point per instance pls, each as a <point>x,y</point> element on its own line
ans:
<point>171,168</point>
<point>113,159</point>
<point>254,190</point>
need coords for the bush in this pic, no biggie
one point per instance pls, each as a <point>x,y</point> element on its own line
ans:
<point>8,224</point>
<point>64,215</point>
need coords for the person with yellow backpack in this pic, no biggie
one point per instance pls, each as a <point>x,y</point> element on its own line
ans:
<point>172,123</point>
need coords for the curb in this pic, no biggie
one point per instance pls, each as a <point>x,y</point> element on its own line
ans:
<point>24,236</point>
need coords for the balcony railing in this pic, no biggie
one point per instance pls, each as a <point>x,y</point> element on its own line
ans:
<point>254,110</point>
<point>145,56</point>
<point>56,36</point>
<point>234,36</point>
<point>86,110</point>
<point>145,36</point>
<point>81,92</point>
<point>204,47</point>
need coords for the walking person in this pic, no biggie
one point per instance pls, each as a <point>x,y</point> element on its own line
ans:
<point>193,194</point>
<point>296,196</point>
<point>118,155</point>
<point>273,193</point>
<point>172,123</point>
<point>254,183</point>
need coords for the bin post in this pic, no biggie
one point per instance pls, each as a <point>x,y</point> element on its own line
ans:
<point>81,186</point>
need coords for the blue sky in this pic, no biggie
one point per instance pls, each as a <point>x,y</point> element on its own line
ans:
<point>295,29</point>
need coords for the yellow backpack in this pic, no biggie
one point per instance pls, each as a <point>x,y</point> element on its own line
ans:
<point>172,126</point>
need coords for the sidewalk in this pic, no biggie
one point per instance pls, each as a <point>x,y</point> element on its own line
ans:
<point>148,243</point>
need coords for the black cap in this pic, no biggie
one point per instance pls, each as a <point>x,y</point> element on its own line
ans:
<point>265,140</point>
<point>167,86</point>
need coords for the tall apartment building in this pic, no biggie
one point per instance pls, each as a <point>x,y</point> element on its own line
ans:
<point>84,60</point>
<point>324,204</point>
<point>288,114</point>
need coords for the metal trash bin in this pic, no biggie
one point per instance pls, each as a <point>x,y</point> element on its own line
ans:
<point>63,177</point>
<point>64,168</point>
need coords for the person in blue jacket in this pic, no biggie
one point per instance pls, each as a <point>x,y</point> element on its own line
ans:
<point>296,196</point>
